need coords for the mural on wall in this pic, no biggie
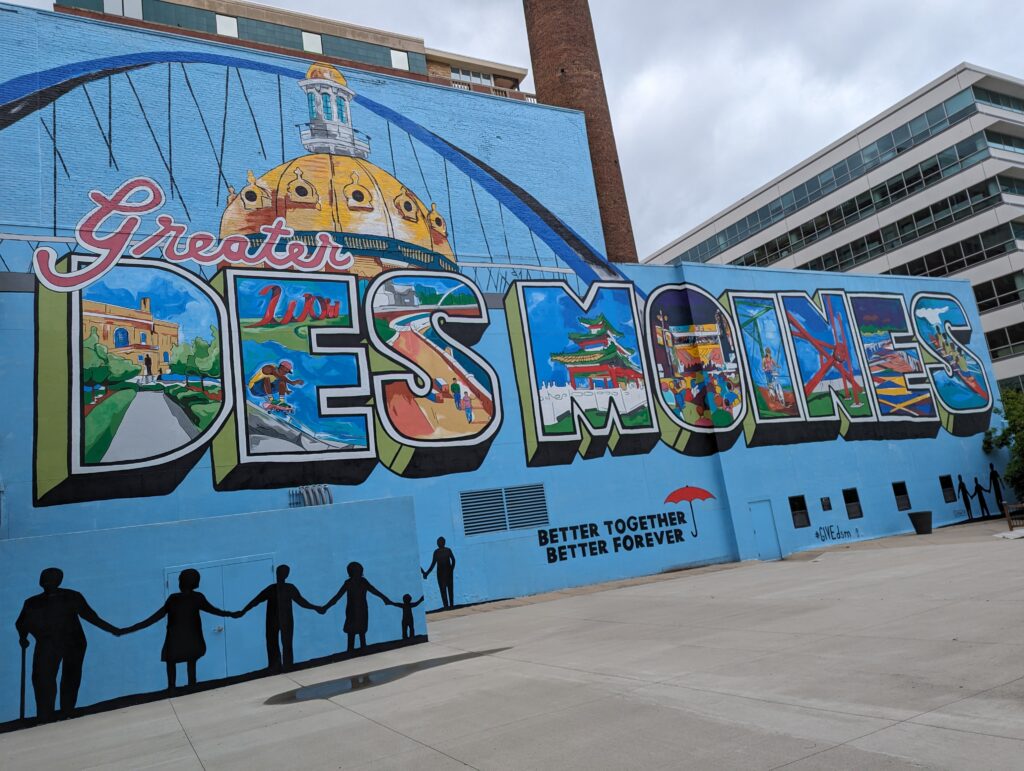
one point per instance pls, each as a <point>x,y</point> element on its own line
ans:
<point>893,358</point>
<point>961,389</point>
<point>700,386</point>
<point>583,382</point>
<point>326,315</point>
<point>828,362</point>
<point>769,368</point>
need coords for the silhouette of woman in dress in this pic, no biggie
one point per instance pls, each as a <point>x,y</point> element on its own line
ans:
<point>357,615</point>
<point>184,641</point>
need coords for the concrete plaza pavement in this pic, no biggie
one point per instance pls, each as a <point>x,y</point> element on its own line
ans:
<point>906,652</point>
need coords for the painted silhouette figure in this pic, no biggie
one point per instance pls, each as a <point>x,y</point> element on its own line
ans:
<point>279,597</point>
<point>979,493</point>
<point>149,366</point>
<point>184,641</point>
<point>995,483</point>
<point>54,619</point>
<point>965,495</point>
<point>357,614</point>
<point>444,560</point>
<point>408,626</point>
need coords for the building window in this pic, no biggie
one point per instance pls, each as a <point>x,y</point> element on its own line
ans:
<point>325,101</point>
<point>312,42</point>
<point>1005,290</point>
<point>399,60</point>
<point>167,357</point>
<point>467,76</point>
<point>144,337</point>
<point>227,26</point>
<point>113,7</point>
<point>120,337</point>
<point>899,140</point>
<point>311,100</point>
<point>948,491</point>
<point>1008,341</point>
<point>341,110</point>
<point>133,9</point>
<point>852,500</point>
<point>899,490</point>
<point>798,508</point>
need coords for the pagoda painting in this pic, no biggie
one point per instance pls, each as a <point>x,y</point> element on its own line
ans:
<point>600,360</point>
<point>595,370</point>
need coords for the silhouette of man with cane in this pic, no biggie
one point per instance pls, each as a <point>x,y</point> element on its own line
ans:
<point>279,597</point>
<point>53,618</point>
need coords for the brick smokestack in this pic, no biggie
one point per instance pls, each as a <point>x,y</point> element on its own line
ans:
<point>567,73</point>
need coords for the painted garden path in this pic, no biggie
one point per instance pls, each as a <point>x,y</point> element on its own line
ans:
<point>153,424</point>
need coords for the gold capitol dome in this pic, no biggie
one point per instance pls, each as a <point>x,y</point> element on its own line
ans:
<point>335,189</point>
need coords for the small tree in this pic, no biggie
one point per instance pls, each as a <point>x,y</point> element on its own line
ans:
<point>120,370</point>
<point>180,356</point>
<point>200,350</point>
<point>94,363</point>
<point>1011,437</point>
<point>209,365</point>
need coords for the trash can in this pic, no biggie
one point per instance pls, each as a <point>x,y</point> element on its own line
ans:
<point>922,521</point>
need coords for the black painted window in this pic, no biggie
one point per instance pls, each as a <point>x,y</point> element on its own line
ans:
<point>852,500</point>
<point>948,491</point>
<point>798,508</point>
<point>899,489</point>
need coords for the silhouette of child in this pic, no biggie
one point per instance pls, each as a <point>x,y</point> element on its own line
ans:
<point>408,627</point>
<point>184,640</point>
<point>356,611</point>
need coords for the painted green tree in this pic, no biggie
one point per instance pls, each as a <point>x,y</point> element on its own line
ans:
<point>99,368</point>
<point>208,364</point>
<point>180,356</point>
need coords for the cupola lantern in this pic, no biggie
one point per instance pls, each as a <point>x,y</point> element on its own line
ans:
<point>329,101</point>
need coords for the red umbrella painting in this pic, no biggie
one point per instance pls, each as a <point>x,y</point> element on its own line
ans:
<point>689,494</point>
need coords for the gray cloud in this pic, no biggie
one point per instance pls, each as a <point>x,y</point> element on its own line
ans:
<point>712,100</point>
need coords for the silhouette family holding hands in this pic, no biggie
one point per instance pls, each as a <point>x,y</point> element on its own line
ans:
<point>54,618</point>
<point>995,487</point>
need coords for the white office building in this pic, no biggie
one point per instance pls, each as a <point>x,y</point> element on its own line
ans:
<point>934,186</point>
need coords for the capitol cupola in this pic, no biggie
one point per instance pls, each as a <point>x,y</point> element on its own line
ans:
<point>329,100</point>
<point>335,188</point>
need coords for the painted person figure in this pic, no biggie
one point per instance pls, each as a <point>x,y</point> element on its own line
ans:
<point>271,382</point>
<point>408,626</point>
<point>995,484</point>
<point>53,618</point>
<point>979,493</point>
<point>184,641</point>
<point>456,391</point>
<point>444,561</point>
<point>149,369</point>
<point>357,614</point>
<point>965,495</point>
<point>280,624</point>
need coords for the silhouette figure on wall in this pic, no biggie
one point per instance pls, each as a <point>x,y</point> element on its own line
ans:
<point>53,618</point>
<point>979,493</point>
<point>408,626</point>
<point>965,495</point>
<point>357,614</point>
<point>184,641</point>
<point>995,484</point>
<point>279,597</point>
<point>444,560</point>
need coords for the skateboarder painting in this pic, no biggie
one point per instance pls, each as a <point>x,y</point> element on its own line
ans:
<point>271,382</point>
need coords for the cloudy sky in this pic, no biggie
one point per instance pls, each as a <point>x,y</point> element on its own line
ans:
<point>711,100</point>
